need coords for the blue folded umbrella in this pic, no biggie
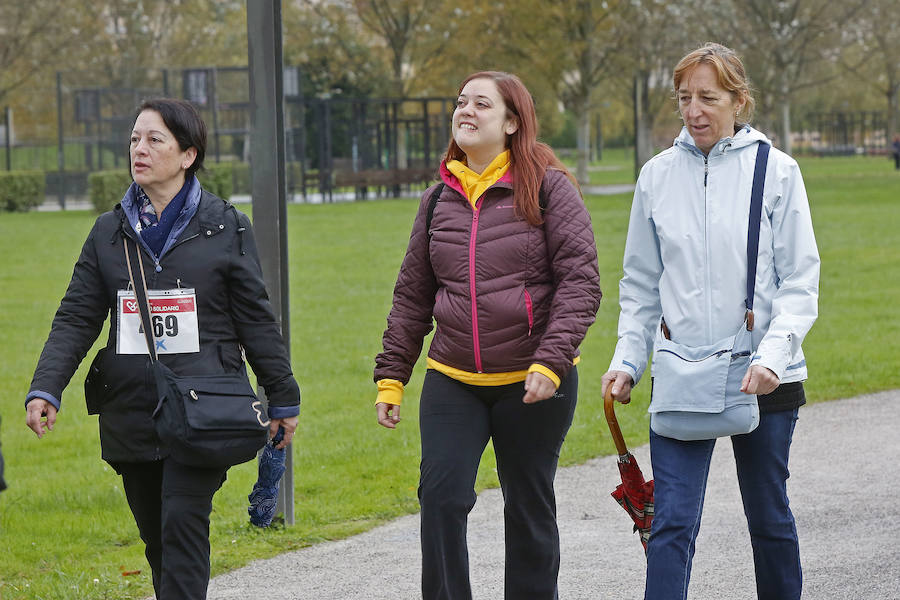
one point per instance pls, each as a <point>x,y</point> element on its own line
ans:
<point>264,496</point>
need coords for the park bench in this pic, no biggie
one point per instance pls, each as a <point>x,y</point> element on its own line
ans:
<point>385,181</point>
<point>389,180</point>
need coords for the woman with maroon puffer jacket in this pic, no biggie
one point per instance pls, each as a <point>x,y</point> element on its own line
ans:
<point>502,257</point>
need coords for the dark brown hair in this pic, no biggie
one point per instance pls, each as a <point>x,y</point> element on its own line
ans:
<point>185,123</point>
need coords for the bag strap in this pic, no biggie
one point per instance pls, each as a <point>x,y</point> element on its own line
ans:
<point>140,293</point>
<point>432,202</point>
<point>759,181</point>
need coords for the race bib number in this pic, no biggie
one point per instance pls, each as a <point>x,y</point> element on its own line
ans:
<point>173,317</point>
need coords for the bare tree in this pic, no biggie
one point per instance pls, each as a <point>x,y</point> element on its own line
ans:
<point>324,39</point>
<point>568,50</point>
<point>877,33</point>
<point>658,34</point>
<point>784,43</point>
<point>141,34</point>
<point>590,41</point>
<point>414,32</point>
<point>36,36</point>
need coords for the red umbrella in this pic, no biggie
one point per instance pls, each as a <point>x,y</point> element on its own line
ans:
<point>634,494</point>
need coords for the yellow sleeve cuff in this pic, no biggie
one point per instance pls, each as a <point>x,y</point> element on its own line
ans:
<point>390,391</point>
<point>538,368</point>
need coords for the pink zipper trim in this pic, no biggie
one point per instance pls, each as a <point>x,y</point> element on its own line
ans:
<point>472,237</point>
<point>529,307</point>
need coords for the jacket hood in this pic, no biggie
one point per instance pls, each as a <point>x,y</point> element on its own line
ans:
<point>745,136</point>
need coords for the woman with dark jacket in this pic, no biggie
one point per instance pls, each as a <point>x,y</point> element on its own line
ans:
<point>502,257</point>
<point>200,250</point>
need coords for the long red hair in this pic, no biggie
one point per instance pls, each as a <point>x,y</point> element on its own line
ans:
<point>529,158</point>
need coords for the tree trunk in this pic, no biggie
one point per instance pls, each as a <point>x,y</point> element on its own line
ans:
<point>643,121</point>
<point>582,141</point>
<point>786,125</point>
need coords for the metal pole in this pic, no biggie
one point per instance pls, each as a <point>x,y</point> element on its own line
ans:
<point>60,149</point>
<point>214,102</point>
<point>269,191</point>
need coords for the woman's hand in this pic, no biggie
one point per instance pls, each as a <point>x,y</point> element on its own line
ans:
<point>388,415</point>
<point>538,387</point>
<point>37,409</point>
<point>621,383</point>
<point>290,426</point>
<point>759,380</point>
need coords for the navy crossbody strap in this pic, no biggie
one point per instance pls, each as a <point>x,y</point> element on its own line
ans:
<point>759,180</point>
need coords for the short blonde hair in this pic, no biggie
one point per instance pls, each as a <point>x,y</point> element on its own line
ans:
<point>729,73</point>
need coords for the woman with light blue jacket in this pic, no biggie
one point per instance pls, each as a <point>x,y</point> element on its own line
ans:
<point>685,271</point>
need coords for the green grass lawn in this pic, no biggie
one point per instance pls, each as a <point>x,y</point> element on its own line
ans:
<point>616,167</point>
<point>65,529</point>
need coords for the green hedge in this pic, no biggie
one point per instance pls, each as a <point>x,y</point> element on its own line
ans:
<point>240,176</point>
<point>216,178</point>
<point>106,188</point>
<point>21,190</point>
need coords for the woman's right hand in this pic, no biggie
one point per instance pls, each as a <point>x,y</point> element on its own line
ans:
<point>388,415</point>
<point>36,410</point>
<point>621,383</point>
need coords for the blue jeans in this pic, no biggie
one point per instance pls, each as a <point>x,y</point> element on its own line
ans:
<point>680,470</point>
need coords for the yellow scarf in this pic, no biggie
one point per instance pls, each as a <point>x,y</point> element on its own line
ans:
<point>474,183</point>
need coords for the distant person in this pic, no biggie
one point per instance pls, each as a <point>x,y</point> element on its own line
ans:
<point>685,271</point>
<point>896,150</point>
<point>502,257</point>
<point>195,246</point>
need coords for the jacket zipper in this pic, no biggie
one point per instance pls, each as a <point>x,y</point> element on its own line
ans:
<point>708,286</point>
<point>529,308</point>
<point>472,238</point>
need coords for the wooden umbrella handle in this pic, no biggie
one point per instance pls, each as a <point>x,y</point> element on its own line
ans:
<point>609,408</point>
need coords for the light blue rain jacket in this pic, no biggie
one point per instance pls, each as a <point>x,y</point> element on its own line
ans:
<point>686,255</point>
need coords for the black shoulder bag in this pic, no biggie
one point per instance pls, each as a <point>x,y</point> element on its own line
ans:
<point>202,420</point>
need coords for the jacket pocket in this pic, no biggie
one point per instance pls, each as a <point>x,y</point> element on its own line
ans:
<point>529,310</point>
<point>94,387</point>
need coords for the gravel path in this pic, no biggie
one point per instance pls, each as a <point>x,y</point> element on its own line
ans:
<point>845,468</point>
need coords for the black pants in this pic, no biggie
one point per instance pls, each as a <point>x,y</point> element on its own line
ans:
<point>457,420</point>
<point>171,504</point>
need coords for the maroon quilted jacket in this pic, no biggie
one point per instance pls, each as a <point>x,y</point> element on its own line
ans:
<point>504,294</point>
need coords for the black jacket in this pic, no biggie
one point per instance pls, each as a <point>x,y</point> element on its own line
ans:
<point>216,255</point>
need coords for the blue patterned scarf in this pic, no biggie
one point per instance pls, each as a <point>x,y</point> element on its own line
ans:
<point>155,229</point>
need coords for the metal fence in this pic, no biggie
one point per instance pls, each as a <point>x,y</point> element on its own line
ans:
<point>336,146</point>
<point>842,133</point>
